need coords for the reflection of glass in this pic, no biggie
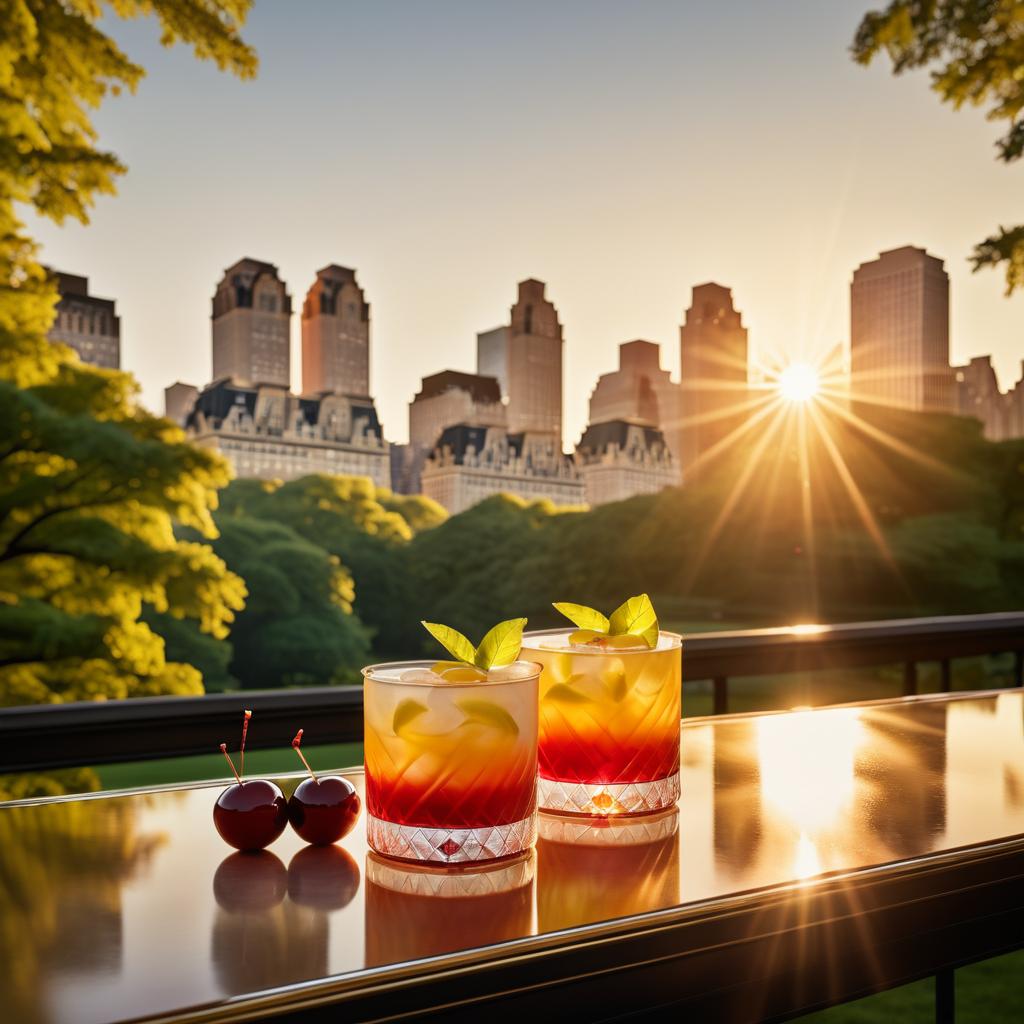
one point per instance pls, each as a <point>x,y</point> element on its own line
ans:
<point>609,725</point>
<point>451,767</point>
<point>595,869</point>
<point>415,911</point>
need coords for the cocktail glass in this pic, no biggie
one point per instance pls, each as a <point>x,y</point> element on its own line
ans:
<point>451,766</point>
<point>609,724</point>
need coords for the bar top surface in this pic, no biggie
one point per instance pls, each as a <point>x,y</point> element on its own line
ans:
<point>130,906</point>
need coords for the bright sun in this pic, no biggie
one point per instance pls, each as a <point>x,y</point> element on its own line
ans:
<point>798,382</point>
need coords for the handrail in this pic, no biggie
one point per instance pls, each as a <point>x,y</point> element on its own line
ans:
<point>49,736</point>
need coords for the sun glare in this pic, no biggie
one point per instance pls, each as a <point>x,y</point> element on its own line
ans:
<point>798,382</point>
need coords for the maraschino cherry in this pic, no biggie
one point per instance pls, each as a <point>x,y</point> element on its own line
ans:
<point>249,815</point>
<point>322,810</point>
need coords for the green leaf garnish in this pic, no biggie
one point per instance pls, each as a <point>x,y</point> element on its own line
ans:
<point>407,711</point>
<point>635,617</point>
<point>499,647</point>
<point>487,712</point>
<point>582,616</point>
<point>452,641</point>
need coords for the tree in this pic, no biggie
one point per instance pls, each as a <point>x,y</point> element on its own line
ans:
<point>978,48</point>
<point>368,528</point>
<point>56,65</point>
<point>297,626</point>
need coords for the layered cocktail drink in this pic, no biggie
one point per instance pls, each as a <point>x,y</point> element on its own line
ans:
<point>451,760</point>
<point>609,721</point>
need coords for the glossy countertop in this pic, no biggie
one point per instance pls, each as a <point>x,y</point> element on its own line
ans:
<point>128,906</point>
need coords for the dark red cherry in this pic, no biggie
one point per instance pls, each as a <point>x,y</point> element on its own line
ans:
<point>324,877</point>
<point>250,815</point>
<point>250,881</point>
<point>323,810</point>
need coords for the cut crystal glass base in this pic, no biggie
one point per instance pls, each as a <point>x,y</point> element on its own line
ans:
<point>450,845</point>
<point>601,800</point>
<point>619,831</point>
<point>486,879</point>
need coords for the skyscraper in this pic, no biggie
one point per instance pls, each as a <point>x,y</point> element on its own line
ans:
<point>899,331</point>
<point>336,334</point>
<point>713,373</point>
<point>532,361</point>
<point>639,391</point>
<point>492,356</point>
<point>88,324</point>
<point>251,325</point>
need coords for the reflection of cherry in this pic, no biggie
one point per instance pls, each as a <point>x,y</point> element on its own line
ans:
<point>324,877</point>
<point>322,810</point>
<point>250,815</point>
<point>250,881</point>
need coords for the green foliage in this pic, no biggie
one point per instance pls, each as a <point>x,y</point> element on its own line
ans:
<point>297,626</point>
<point>976,51</point>
<point>367,528</point>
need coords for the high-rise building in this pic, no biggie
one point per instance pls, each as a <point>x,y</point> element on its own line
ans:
<point>88,324</point>
<point>976,393</point>
<point>267,432</point>
<point>619,459</point>
<point>899,331</point>
<point>251,325</point>
<point>444,400</point>
<point>526,359</point>
<point>179,401</point>
<point>336,334</point>
<point>471,463</point>
<point>713,373</point>
<point>492,356</point>
<point>639,391</point>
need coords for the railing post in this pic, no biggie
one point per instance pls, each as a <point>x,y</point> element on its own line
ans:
<point>945,997</point>
<point>947,675</point>
<point>721,701</point>
<point>910,679</point>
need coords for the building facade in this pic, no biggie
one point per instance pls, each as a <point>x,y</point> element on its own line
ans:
<point>976,393</point>
<point>267,432</point>
<point>619,459</point>
<point>899,331</point>
<point>534,363</point>
<point>87,324</point>
<point>336,334</point>
<point>492,356</point>
<point>714,391</point>
<point>179,401</point>
<point>251,323</point>
<point>640,391</point>
<point>471,463</point>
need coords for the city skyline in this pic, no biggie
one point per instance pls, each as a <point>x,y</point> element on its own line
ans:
<point>774,191</point>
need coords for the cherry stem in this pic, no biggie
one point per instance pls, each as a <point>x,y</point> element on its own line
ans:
<point>224,751</point>
<point>245,728</point>
<point>302,756</point>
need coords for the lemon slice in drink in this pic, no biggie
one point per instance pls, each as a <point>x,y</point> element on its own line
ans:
<point>486,712</point>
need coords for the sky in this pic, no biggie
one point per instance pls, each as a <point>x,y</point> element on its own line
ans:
<point>622,153</point>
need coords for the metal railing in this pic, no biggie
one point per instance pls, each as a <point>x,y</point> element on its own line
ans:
<point>62,735</point>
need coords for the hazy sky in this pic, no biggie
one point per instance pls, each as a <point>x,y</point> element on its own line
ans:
<point>620,152</point>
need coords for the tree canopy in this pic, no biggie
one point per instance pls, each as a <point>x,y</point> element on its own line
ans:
<point>976,52</point>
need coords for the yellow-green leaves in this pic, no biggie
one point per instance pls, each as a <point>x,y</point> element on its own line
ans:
<point>582,616</point>
<point>452,641</point>
<point>633,618</point>
<point>499,647</point>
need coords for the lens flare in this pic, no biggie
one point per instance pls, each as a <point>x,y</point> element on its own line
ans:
<point>798,382</point>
